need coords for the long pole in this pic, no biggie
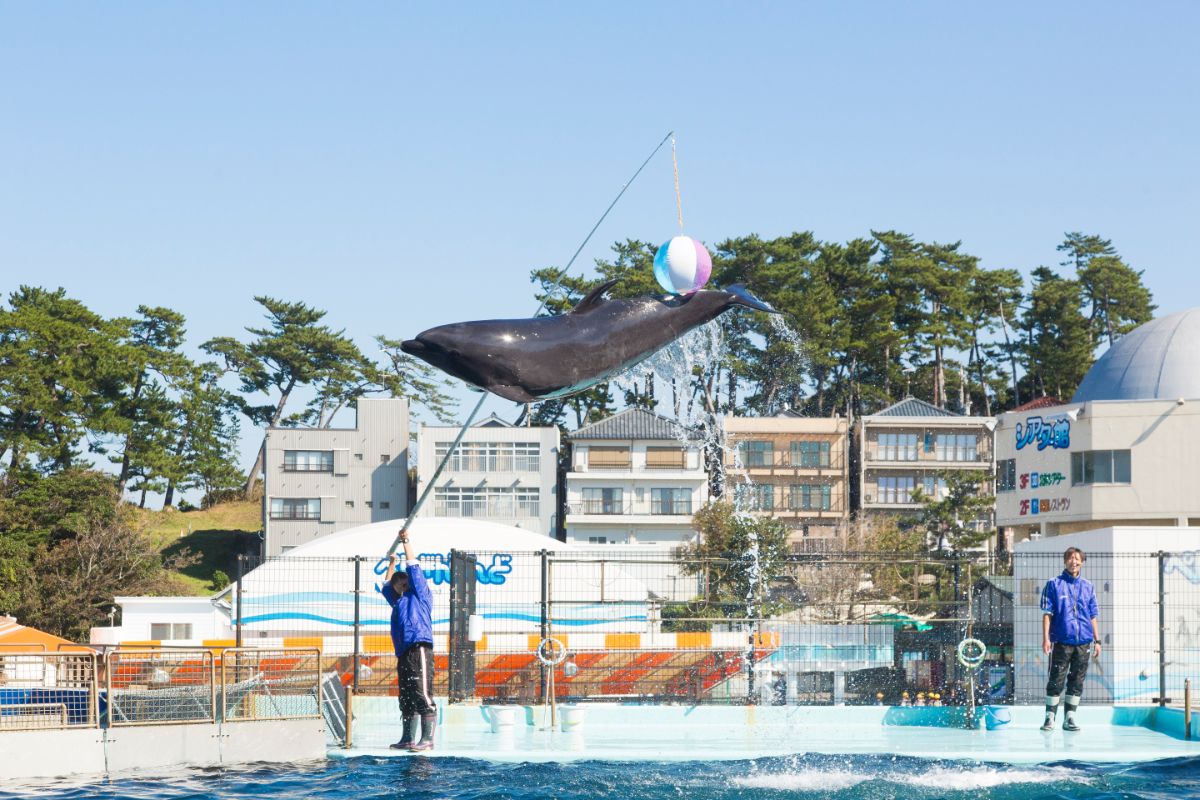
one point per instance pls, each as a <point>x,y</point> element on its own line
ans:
<point>357,561</point>
<point>1162,629</point>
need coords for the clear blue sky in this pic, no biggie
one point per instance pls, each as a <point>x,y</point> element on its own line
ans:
<point>405,165</point>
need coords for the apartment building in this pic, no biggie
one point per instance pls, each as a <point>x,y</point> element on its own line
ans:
<point>635,478</point>
<point>317,481</point>
<point>498,472</point>
<point>795,469</point>
<point>903,448</point>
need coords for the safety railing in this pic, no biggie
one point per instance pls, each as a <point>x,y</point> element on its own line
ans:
<point>160,687</point>
<point>40,690</point>
<point>270,684</point>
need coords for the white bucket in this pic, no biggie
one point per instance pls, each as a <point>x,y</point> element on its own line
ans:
<point>501,718</point>
<point>571,717</point>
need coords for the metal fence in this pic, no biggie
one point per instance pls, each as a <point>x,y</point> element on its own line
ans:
<point>47,690</point>
<point>1149,623</point>
<point>158,686</point>
<point>639,625</point>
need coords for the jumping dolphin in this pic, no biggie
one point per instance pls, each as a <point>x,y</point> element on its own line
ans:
<point>527,360</point>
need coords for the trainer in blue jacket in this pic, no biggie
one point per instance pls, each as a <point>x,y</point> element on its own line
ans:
<point>1069,636</point>
<point>408,594</point>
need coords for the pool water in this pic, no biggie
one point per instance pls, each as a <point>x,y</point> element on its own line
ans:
<point>811,776</point>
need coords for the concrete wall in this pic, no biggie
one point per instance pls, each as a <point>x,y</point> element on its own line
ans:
<point>544,479</point>
<point>44,754</point>
<point>368,483</point>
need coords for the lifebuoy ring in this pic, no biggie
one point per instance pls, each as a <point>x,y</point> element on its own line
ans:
<point>551,651</point>
<point>975,659</point>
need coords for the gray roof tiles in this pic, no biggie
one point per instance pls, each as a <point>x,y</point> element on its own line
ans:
<point>912,407</point>
<point>632,423</point>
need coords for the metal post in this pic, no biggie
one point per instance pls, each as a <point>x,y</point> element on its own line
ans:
<point>1187,708</point>
<point>545,626</point>
<point>1162,629</point>
<point>241,571</point>
<point>357,615</point>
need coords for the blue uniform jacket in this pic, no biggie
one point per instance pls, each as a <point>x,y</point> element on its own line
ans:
<point>1071,604</point>
<point>412,612</point>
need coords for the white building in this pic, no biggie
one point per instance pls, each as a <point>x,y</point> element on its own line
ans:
<point>498,472</point>
<point>320,480</point>
<point>1122,452</point>
<point>635,478</point>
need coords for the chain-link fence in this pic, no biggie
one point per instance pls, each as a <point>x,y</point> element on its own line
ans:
<point>1148,619</point>
<point>160,687</point>
<point>270,684</point>
<point>39,689</point>
<point>653,626</point>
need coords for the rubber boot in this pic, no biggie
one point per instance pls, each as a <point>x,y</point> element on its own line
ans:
<point>1069,705</point>
<point>1051,712</point>
<point>410,734</point>
<point>428,726</point>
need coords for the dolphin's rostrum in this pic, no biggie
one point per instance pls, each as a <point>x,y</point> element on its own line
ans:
<point>527,360</point>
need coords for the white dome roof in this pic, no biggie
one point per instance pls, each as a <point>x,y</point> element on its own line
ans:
<point>1158,361</point>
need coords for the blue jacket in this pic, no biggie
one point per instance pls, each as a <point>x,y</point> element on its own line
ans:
<point>412,612</point>
<point>1071,604</point>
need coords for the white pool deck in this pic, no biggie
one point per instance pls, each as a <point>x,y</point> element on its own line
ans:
<point>613,732</point>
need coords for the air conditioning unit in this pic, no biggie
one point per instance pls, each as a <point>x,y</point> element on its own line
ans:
<point>866,498</point>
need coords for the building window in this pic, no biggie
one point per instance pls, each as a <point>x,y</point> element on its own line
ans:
<point>896,489</point>
<point>671,501</point>
<point>370,504</point>
<point>170,631</point>
<point>384,458</point>
<point>897,447</point>
<point>933,487</point>
<point>1100,466</point>
<point>1006,475</point>
<point>957,447</point>
<point>502,502</point>
<point>295,508</point>
<point>308,461</point>
<point>664,458</point>
<point>491,456</point>
<point>349,504</point>
<point>755,496</point>
<point>810,497</point>
<point>603,501</point>
<point>608,458</point>
<point>385,504</point>
<point>756,453</point>
<point>810,455</point>
<point>597,540</point>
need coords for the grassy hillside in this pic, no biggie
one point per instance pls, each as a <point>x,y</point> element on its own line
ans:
<point>214,535</point>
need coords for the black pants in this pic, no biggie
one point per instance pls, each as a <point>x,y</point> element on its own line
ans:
<point>1069,665</point>
<point>415,672</point>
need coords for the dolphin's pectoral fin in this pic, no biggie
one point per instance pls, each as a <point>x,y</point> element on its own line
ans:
<point>594,297</point>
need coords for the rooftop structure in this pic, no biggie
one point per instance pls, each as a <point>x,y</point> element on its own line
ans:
<point>498,472</point>
<point>795,469</point>
<point>635,478</point>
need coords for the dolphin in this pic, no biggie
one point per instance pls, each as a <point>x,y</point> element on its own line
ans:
<point>527,360</point>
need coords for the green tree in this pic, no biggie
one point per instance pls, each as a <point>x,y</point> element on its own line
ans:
<point>413,379</point>
<point>742,563</point>
<point>991,295</point>
<point>294,350</point>
<point>1117,300</point>
<point>952,522</point>
<point>58,364</point>
<point>1058,342</point>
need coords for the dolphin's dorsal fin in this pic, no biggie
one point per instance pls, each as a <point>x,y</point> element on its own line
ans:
<point>593,297</point>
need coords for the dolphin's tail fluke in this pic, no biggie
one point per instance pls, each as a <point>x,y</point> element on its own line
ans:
<point>742,297</point>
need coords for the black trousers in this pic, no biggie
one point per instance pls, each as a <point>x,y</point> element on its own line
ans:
<point>1069,665</point>
<point>415,672</point>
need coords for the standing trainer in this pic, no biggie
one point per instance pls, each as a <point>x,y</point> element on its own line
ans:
<point>1069,636</point>
<point>408,594</point>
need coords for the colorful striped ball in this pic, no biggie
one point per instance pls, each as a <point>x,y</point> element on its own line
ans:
<point>682,265</point>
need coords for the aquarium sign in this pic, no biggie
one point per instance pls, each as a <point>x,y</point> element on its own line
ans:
<point>1033,480</point>
<point>1047,433</point>
<point>1044,505</point>
<point>494,574</point>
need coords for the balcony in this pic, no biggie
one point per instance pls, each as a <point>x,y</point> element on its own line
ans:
<point>295,513</point>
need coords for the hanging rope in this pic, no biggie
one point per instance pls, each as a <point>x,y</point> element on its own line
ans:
<point>678,201</point>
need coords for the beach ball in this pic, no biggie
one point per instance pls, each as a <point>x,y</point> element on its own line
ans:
<point>682,265</point>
